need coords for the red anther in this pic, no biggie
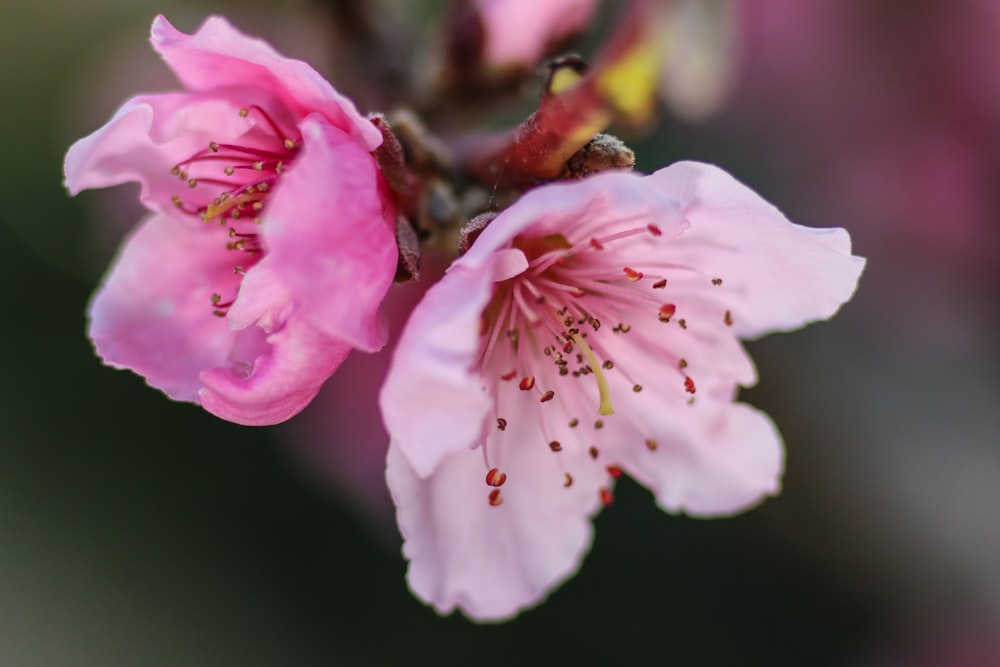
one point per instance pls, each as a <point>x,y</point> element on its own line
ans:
<point>527,383</point>
<point>593,452</point>
<point>509,375</point>
<point>651,444</point>
<point>728,318</point>
<point>632,274</point>
<point>614,471</point>
<point>548,396</point>
<point>496,478</point>
<point>660,284</point>
<point>606,497</point>
<point>596,245</point>
<point>654,230</point>
<point>578,292</point>
<point>555,446</point>
<point>667,311</point>
<point>495,498</point>
<point>568,347</point>
<point>688,385</point>
<point>501,424</point>
<point>569,480</point>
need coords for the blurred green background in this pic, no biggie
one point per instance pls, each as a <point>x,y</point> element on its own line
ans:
<point>137,531</point>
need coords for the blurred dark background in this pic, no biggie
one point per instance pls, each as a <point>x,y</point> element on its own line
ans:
<point>137,531</point>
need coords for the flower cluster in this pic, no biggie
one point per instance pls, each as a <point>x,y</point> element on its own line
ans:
<point>590,328</point>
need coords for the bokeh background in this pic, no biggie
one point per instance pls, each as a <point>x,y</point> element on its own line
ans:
<point>137,531</point>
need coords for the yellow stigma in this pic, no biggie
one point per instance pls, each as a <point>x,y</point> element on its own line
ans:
<point>602,382</point>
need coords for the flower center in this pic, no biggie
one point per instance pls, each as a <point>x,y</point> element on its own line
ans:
<point>543,333</point>
<point>232,182</point>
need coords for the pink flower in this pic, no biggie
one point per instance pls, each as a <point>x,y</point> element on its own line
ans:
<point>270,242</point>
<point>592,330</point>
<point>519,33</point>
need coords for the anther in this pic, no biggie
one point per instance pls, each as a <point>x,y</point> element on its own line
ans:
<point>606,497</point>
<point>667,311</point>
<point>637,388</point>
<point>548,396</point>
<point>569,481</point>
<point>555,446</point>
<point>496,478</point>
<point>728,318</point>
<point>654,230</point>
<point>501,424</point>
<point>593,452</point>
<point>495,498</point>
<point>688,385</point>
<point>527,383</point>
<point>599,424</point>
<point>289,144</point>
<point>651,444</point>
<point>214,147</point>
<point>608,365</point>
<point>660,284</point>
<point>614,471</point>
<point>683,363</point>
<point>229,171</point>
<point>683,323</point>
<point>244,112</point>
<point>192,183</point>
<point>596,245</point>
<point>573,422</point>
<point>509,375</point>
<point>632,274</point>
<point>716,281</point>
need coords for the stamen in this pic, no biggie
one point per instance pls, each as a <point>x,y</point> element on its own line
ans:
<point>569,481</point>
<point>496,478</point>
<point>688,385</point>
<point>603,389</point>
<point>667,311</point>
<point>527,383</point>
<point>593,452</point>
<point>614,471</point>
<point>606,497</point>
<point>728,318</point>
<point>651,444</point>
<point>660,284</point>
<point>501,424</point>
<point>716,281</point>
<point>555,446</point>
<point>495,498</point>
<point>632,274</point>
<point>547,396</point>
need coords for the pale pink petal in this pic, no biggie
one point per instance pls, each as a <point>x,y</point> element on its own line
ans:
<point>329,231</point>
<point>491,561</point>
<point>432,403</point>
<point>153,314</point>
<point>711,458</point>
<point>615,200</point>
<point>520,32</point>
<point>779,276</point>
<point>146,138</point>
<point>219,56</point>
<point>283,373</point>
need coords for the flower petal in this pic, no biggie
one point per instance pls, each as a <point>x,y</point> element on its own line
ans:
<point>491,562</point>
<point>146,138</point>
<point>433,404</point>
<point>154,315</point>
<point>329,230</point>
<point>781,276</point>
<point>711,458</point>
<point>519,33</point>
<point>219,55</point>
<point>279,377</point>
<point>612,200</point>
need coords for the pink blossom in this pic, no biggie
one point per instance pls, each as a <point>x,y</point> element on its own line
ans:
<point>518,33</point>
<point>270,242</point>
<point>592,330</point>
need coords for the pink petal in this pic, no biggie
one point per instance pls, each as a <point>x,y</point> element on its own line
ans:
<point>153,314</point>
<point>330,233</point>
<point>432,403</point>
<point>711,458</point>
<point>146,138</point>
<point>284,375</point>
<point>520,32</point>
<point>491,562</point>
<point>618,200</point>
<point>781,276</point>
<point>218,56</point>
